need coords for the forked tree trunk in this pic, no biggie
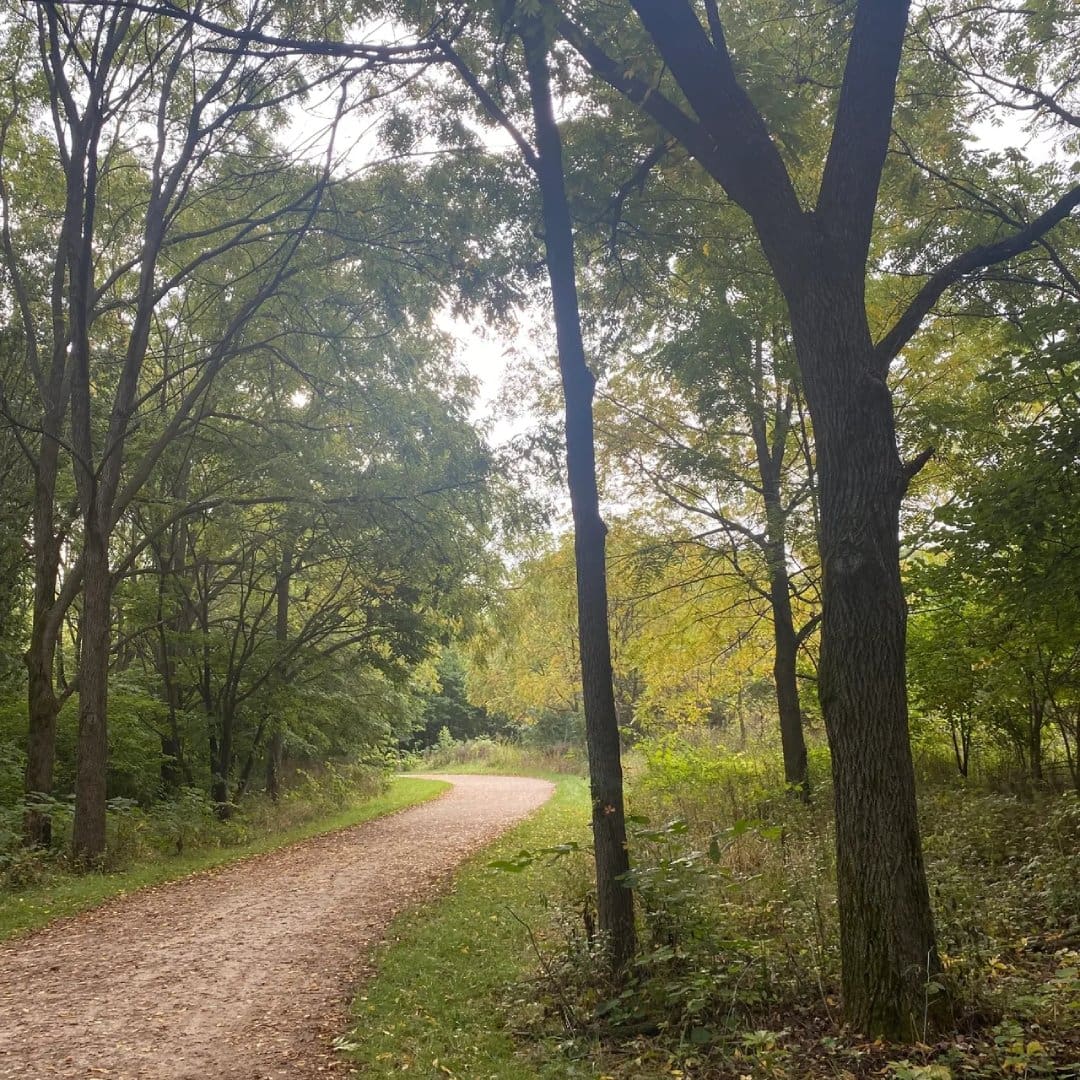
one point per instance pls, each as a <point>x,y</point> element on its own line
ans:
<point>615,910</point>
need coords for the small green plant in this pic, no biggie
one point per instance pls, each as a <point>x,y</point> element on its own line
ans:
<point>1019,1055</point>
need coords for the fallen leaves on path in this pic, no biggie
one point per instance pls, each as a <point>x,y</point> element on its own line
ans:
<point>244,972</point>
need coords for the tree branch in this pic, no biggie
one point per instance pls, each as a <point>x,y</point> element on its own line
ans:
<point>977,258</point>
<point>254,41</point>
<point>860,139</point>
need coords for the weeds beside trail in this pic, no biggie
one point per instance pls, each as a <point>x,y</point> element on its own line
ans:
<point>59,893</point>
<point>738,972</point>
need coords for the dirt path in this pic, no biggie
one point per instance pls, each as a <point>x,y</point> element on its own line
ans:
<point>243,973</point>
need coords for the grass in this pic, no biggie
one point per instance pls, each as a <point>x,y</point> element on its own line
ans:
<point>739,971</point>
<point>68,894</point>
<point>429,1011</point>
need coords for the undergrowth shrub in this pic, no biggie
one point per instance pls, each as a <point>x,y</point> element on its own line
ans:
<point>188,820</point>
<point>185,822</point>
<point>739,962</point>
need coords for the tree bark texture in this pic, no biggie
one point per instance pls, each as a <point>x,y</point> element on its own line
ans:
<point>92,749</point>
<point>42,704</point>
<point>887,934</point>
<point>615,912</point>
<point>785,638</point>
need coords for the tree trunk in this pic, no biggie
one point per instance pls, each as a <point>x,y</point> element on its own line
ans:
<point>887,935</point>
<point>43,709</point>
<point>770,465</point>
<point>42,704</point>
<point>1036,714</point>
<point>961,743</point>
<point>172,767</point>
<point>174,621</point>
<point>276,746</point>
<point>222,768</point>
<point>786,650</point>
<point>273,764</point>
<point>249,762</point>
<point>615,911</point>
<point>91,759</point>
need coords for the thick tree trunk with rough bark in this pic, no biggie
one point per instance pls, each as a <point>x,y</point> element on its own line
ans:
<point>615,911</point>
<point>887,941</point>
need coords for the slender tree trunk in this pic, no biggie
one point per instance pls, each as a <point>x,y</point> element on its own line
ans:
<point>615,909</point>
<point>42,704</point>
<point>274,752</point>
<point>275,747</point>
<point>174,618</point>
<point>961,742</point>
<point>222,767</point>
<point>785,657</point>
<point>91,759</point>
<point>1036,715</point>
<point>770,464</point>
<point>249,762</point>
<point>888,950</point>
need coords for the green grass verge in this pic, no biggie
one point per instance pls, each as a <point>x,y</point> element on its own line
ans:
<point>432,1009</point>
<point>68,894</point>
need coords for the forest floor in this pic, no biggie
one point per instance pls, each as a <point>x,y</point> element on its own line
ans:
<point>241,973</point>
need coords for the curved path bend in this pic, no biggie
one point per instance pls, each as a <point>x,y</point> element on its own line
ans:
<point>241,973</point>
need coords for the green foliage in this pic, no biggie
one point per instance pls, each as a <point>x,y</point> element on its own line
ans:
<point>448,708</point>
<point>739,965</point>
<point>995,651</point>
<point>686,771</point>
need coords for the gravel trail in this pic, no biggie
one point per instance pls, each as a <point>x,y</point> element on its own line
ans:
<point>241,973</point>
